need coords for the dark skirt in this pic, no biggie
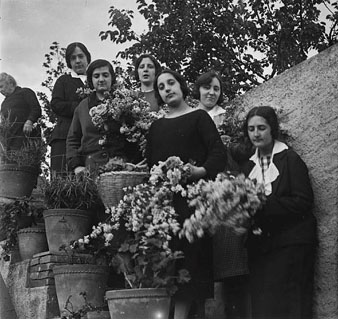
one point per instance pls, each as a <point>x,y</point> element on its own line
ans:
<point>198,259</point>
<point>281,282</point>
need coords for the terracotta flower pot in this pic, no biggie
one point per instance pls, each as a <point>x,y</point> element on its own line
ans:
<point>71,280</point>
<point>32,241</point>
<point>143,303</point>
<point>17,181</point>
<point>64,226</point>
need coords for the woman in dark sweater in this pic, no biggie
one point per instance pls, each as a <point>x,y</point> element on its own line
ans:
<point>281,246</point>
<point>65,100</point>
<point>191,135</point>
<point>84,149</point>
<point>22,108</point>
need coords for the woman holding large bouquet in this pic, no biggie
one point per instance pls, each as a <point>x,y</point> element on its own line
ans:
<point>282,244</point>
<point>191,135</point>
<point>84,141</point>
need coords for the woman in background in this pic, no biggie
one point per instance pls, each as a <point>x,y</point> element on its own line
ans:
<point>146,69</point>
<point>22,109</point>
<point>281,245</point>
<point>65,100</point>
<point>191,135</point>
<point>230,256</point>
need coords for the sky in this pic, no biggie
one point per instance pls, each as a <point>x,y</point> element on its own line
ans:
<point>29,27</point>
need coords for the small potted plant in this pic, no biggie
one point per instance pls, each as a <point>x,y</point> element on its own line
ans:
<point>19,168</point>
<point>21,226</point>
<point>73,205</point>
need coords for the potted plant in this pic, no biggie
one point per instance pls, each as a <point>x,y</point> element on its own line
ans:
<point>143,255</point>
<point>19,168</point>
<point>73,204</point>
<point>21,226</point>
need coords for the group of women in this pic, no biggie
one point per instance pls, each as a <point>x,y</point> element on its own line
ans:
<point>280,255</point>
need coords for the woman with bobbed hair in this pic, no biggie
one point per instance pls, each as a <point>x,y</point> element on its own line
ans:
<point>83,146</point>
<point>65,100</point>
<point>22,109</point>
<point>146,69</point>
<point>191,135</point>
<point>281,243</point>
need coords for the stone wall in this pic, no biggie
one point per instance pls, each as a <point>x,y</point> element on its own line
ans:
<point>308,94</point>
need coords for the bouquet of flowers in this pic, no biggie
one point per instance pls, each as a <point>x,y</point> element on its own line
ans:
<point>228,200</point>
<point>147,217</point>
<point>130,111</point>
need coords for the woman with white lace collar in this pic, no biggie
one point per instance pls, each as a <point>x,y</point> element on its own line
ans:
<point>281,250</point>
<point>65,99</point>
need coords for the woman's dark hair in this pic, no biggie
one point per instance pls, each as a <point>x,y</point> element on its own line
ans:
<point>180,79</point>
<point>205,79</point>
<point>99,64</point>
<point>70,49</point>
<point>138,61</point>
<point>269,114</point>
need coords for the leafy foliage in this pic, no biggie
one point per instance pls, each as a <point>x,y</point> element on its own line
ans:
<point>247,42</point>
<point>14,216</point>
<point>55,66</point>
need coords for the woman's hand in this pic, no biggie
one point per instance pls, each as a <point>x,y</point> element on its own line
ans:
<point>196,172</point>
<point>79,170</point>
<point>28,127</point>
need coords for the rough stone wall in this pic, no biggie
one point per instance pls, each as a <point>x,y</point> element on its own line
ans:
<point>308,94</point>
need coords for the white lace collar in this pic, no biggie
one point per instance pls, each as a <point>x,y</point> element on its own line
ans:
<point>82,77</point>
<point>272,172</point>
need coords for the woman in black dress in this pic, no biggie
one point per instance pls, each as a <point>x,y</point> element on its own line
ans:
<point>191,135</point>
<point>65,100</point>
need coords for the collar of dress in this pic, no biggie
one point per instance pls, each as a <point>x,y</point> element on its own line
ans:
<point>271,173</point>
<point>82,77</point>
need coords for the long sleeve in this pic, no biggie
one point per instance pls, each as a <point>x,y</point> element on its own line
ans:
<point>64,97</point>
<point>33,103</point>
<point>216,158</point>
<point>297,199</point>
<point>73,143</point>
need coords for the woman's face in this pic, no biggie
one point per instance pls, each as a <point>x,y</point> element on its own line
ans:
<point>210,93</point>
<point>259,132</point>
<point>102,79</point>
<point>78,61</point>
<point>6,88</point>
<point>146,71</point>
<point>169,89</point>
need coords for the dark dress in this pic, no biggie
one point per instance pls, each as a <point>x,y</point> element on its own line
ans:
<point>192,137</point>
<point>20,106</point>
<point>281,259</point>
<point>63,103</point>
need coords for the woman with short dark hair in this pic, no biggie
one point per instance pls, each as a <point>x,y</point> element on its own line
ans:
<point>281,243</point>
<point>191,135</point>
<point>65,99</point>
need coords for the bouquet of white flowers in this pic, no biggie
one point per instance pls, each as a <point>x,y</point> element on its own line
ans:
<point>228,200</point>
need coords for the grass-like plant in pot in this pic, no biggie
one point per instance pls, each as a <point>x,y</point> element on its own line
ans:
<point>73,205</point>
<point>20,167</point>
